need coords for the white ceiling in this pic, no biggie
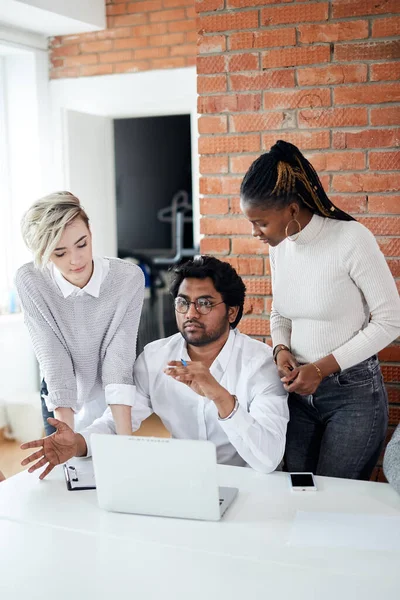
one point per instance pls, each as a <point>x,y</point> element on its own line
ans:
<point>53,17</point>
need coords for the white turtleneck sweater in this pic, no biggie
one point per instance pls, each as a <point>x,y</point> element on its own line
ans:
<point>333,293</point>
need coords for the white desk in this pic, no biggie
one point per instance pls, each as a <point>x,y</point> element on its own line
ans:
<point>55,535</point>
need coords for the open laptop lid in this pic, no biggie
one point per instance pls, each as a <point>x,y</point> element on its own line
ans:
<point>156,476</point>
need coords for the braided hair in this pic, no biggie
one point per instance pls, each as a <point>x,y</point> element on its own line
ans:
<point>283,174</point>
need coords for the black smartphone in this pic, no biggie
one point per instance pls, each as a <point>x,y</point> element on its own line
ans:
<point>302,482</point>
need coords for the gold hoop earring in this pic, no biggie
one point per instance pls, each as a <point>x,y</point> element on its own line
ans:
<point>290,237</point>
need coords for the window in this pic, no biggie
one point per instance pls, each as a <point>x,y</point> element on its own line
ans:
<point>5,201</point>
<point>20,159</point>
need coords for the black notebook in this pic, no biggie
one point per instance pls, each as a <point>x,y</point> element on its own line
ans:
<point>79,475</point>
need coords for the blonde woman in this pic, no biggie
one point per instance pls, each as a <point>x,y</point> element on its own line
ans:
<point>82,314</point>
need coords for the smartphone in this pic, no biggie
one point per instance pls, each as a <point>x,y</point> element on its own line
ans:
<point>302,482</point>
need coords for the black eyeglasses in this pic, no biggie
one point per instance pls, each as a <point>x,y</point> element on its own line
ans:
<point>202,305</point>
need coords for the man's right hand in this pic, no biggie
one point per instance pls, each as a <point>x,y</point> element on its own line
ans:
<point>54,449</point>
<point>286,362</point>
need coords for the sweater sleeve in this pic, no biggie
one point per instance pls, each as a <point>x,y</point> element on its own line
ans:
<point>391,461</point>
<point>50,348</point>
<point>368,269</point>
<point>281,327</point>
<point>141,410</point>
<point>120,355</point>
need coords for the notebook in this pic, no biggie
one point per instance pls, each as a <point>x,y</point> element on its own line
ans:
<point>79,475</point>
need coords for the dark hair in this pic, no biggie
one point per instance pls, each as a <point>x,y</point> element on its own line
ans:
<point>282,175</point>
<point>226,281</point>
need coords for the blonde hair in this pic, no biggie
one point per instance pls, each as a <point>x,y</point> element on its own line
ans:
<point>43,224</point>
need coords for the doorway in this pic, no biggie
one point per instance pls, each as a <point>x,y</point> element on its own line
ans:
<point>153,189</point>
<point>153,165</point>
<point>86,112</point>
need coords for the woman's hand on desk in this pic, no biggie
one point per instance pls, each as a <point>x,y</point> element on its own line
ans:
<point>54,449</point>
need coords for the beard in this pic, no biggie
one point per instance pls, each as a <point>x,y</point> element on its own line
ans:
<point>202,337</point>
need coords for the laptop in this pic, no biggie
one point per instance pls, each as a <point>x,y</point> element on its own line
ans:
<point>159,476</point>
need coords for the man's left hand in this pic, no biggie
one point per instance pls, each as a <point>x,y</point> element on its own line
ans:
<point>303,380</point>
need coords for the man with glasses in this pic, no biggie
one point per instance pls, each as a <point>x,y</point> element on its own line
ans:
<point>207,382</point>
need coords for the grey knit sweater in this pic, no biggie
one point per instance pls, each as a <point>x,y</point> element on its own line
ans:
<point>391,461</point>
<point>82,343</point>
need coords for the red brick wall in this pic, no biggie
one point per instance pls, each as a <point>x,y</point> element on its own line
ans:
<point>141,35</point>
<point>324,76</point>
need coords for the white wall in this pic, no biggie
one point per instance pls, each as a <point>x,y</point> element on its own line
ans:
<point>152,93</point>
<point>19,372</point>
<point>90,173</point>
<point>45,140</point>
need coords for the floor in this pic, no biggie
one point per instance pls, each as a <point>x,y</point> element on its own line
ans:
<point>11,454</point>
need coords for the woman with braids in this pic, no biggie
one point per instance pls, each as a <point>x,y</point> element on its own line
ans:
<point>335,305</point>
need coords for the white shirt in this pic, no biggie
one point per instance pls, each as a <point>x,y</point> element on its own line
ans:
<point>256,433</point>
<point>101,267</point>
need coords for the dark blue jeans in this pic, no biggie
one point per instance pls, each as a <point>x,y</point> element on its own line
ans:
<point>339,431</point>
<point>49,429</point>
